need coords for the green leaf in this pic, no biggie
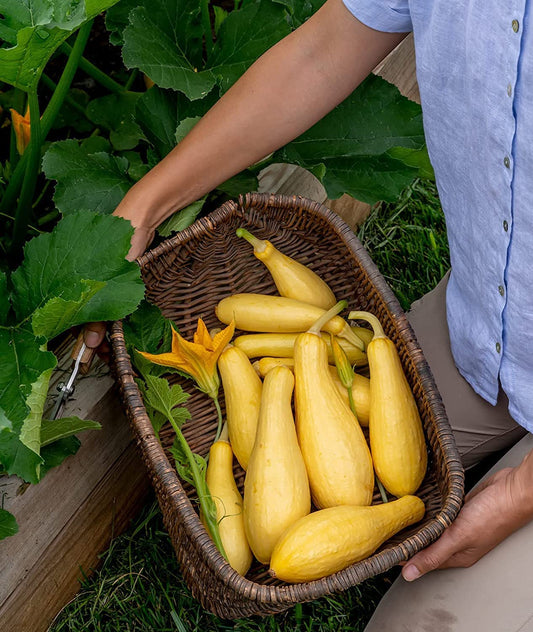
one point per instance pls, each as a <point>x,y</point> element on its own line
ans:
<point>182,463</point>
<point>96,181</point>
<point>55,453</point>
<point>367,178</point>
<point>352,142</point>
<point>55,429</point>
<point>8,524</point>
<point>166,399</point>
<point>83,247</point>
<point>181,219</point>
<point>34,29</point>
<point>164,40</point>
<point>23,364</point>
<point>185,126</point>
<point>238,45</point>
<point>57,314</point>
<point>116,20</point>
<point>159,112</point>
<point>68,116</point>
<point>241,183</point>
<point>147,329</point>
<point>301,10</point>
<point>115,113</point>
<point>418,158</point>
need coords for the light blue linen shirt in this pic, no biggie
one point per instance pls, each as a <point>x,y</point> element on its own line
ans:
<point>475,73</point>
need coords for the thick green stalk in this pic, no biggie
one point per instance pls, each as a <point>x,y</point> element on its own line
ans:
<point>50,83</point>
<point>206,24</point>
<point>54,105</point>
<point>98,75</point>
<point>199,484</point>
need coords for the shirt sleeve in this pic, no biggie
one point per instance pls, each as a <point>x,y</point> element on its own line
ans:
<point>391,16</point>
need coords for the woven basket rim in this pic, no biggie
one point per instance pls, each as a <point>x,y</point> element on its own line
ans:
<point>383,560</point>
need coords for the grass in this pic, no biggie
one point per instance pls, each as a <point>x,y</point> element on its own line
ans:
<point>139,588</point>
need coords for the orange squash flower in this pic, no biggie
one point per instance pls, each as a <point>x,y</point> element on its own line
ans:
<point>21,126</point>
<point>198,359</point>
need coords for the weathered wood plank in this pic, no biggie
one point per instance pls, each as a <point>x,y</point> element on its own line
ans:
<point>72,514</point>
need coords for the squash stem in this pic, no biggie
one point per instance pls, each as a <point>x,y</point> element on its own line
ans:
<point>382,491</point>
<point>348,334</point>
<point>220,421</point>
<point>333,311</point>
<point>224,433</point>
<point>372,320</point>
<point>258,244</point>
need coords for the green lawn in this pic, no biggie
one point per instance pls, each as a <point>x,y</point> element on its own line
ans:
<point>138,586</point>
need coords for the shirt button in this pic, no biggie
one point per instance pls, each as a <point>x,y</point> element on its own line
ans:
<point>509,90</point>
<point>501,290</point>
<point>507,162</point>
<point>498,347</point>
<point>505,225</point>
<point>515,24</point>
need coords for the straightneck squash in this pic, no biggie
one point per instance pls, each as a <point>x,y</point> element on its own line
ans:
<point>281,345</point>
<point>276,488</point>
<point>292,279</point>
<point>333,445</point>
<point>242,393</point>
<point>228,502</point>
<point>360,385</point>
<point>396,434</point>
<point>265,313</point>
<point>329,540</point>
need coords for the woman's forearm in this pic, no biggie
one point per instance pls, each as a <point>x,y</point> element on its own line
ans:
<point>283,93</point>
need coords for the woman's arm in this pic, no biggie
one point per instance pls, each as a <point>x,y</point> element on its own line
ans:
<point>287,90</point>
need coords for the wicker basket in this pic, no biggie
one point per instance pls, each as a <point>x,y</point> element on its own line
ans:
<point>186,276</point>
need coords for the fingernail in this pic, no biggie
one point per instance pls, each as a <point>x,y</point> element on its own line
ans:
<point>91,338</point>
<point>410,573</point>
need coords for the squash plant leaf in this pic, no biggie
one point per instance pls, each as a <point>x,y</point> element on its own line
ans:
<point>95,181</point>
<point>115,113</point>
<point>159,113</point>
<point>164,40</point>
<point>55,429</point>
<point>147,329</point>
<point>31,31</point>
<point>8,524</point>
<point>83,248</point>
<point>352,142</point>
<point>54,289</point>
<point>238,45</point>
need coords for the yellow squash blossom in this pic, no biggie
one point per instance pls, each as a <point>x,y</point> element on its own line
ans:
<point>198,359</point>
<point>21,126</point>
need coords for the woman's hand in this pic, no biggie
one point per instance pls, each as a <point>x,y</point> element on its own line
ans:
<point>492,511</point>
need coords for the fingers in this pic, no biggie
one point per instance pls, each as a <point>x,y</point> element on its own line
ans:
<point>434,556</point>
<point>93,334</point>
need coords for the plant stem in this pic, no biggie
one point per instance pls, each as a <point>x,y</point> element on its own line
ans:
<point>50,83</point>
<point>131,79</point>
<point>90,69</point>
<point>219,413</point>
<point>199,485</point>
<point>206,24</point>
<point>49,115</point>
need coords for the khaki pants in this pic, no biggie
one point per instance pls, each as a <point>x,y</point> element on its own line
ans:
<point>496,594</point>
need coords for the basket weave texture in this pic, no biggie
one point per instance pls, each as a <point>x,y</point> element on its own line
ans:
<point>186,276</point>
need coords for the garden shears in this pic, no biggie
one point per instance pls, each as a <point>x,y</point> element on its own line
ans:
<point>82,356</point>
